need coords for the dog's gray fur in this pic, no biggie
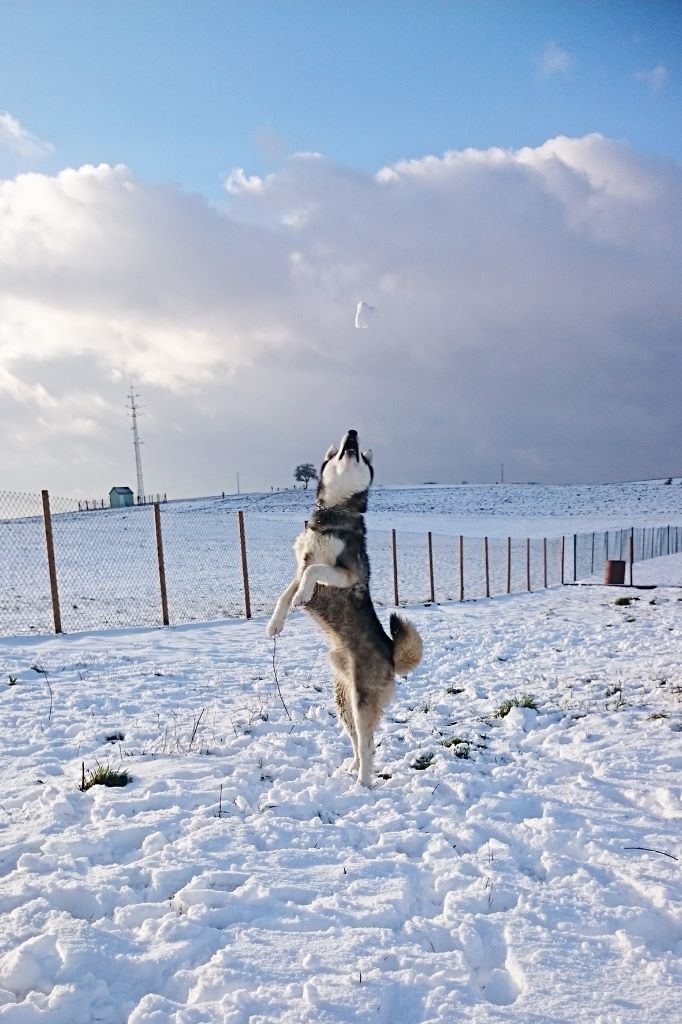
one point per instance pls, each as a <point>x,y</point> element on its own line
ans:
<point>332,582</point>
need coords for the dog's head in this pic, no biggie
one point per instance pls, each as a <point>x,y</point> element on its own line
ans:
<point>345,475</point>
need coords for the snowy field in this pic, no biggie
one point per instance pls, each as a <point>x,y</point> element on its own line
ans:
<point>521,869</point>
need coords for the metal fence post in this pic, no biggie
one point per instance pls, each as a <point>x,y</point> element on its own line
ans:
<point>632,551</point>
<point>245,567</point>
<point>487,567</point>
<point>162,566</point>
<point>51,563</point>
<point>563,544</point>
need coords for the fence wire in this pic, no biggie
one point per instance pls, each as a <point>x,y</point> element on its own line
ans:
<point>202,560</point>
<point>106,567</point>
<point>107,571</point>
<point>25,605</point>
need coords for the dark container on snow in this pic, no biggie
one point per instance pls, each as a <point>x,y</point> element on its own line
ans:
<point>614,572</point>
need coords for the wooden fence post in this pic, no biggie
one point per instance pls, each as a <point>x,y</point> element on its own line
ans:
<point>245,567</point>
<point>544,560</point>
<point>509,547</point>
<point>575,557</point>
<point>394,551</point>
<point>528,561</point>
<point>162,565</point>
<point>432,591</point>
<point>487,567</point>
<point>51,563</point>
<point>461,567</point>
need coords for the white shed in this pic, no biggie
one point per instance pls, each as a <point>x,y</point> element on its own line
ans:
<point>120,497</point>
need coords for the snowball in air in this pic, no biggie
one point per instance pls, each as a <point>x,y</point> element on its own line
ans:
<point>364,314</point>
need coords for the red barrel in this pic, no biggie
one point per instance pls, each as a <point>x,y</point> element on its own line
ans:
<point>614,572</point>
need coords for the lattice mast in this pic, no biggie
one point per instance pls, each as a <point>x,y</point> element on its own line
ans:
<point>133,412</point>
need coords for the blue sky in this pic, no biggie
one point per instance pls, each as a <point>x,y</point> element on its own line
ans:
<point>501,181</point>
<point>184,91</point>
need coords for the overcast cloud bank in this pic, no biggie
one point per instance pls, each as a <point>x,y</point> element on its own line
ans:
<point>530,311</point>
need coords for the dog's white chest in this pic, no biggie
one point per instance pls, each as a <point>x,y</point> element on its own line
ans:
<point>313,548</point>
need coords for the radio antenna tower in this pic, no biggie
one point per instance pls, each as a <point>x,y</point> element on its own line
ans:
<point>136,443</point>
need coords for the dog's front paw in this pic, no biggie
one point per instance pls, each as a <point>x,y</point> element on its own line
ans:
<point>302,595</point>
<point>275,625</point>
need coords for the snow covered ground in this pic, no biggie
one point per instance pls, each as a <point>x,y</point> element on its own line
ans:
<point>241,878</point>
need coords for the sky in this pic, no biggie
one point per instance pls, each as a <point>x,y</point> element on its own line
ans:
<point>199,195</point>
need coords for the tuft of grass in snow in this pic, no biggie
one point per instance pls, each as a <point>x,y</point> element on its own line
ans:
<point>624,602</point>
<point>525,701</point>
<point>614,695</point>
<point>12,680</point>
<point>103,775</point>
<point>454,690</point>
<point>459,747</point>
<point>423,762</point>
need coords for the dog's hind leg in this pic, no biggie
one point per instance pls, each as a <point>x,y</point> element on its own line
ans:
<point>367,713</point>
<point>345,710</point>
<point>372,691</point>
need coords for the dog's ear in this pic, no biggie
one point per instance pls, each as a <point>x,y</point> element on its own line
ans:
<point>331,452</point>
<point>368,456</point>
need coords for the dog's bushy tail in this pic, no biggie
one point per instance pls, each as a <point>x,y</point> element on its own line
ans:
<point>407,645</point>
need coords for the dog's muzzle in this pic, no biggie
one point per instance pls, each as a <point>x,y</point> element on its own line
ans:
<point>349,446</point>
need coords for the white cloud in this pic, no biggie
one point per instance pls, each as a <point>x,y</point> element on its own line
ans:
<point>530,312</point>
<point>554,60</point>
<point>655,78</point>
<point>239,181</point>
<point>19,140</point>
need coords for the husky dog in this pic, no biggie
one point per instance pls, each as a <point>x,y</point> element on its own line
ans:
<point>332,582</point>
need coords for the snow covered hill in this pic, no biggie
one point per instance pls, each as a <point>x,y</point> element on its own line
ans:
<point>493,510</point>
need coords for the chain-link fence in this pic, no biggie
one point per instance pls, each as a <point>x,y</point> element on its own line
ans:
<point>67,569</point>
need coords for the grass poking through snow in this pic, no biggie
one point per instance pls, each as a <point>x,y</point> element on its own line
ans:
<point>526,701</point>
<point>103,775</point>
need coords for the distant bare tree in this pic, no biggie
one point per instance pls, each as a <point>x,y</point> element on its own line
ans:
<point>305,472</point>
